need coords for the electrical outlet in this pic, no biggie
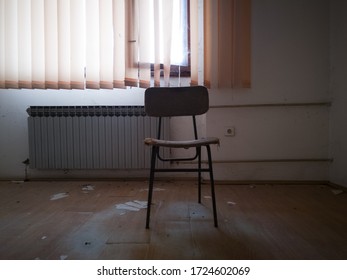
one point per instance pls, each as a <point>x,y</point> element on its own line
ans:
<point>229,131</point>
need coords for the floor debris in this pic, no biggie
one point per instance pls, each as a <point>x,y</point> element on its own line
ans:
<point>337,191</point>
<point>135,205</point>
<point>59,196</point>
<point>88,187</point>
<point>154,189</point>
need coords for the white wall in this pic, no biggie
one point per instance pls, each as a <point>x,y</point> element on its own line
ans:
<point>338,118</point>
<point>290,64</point>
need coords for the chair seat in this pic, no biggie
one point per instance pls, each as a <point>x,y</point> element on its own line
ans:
<point>182,144</point>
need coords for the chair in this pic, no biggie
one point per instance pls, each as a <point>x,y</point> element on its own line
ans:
<point>175,102</point>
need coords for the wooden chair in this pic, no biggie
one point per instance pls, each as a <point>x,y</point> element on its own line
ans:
<point>175,102</point>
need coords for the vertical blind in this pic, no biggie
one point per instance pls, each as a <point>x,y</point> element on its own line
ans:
<point>78,44</point>
<point>227,43</point>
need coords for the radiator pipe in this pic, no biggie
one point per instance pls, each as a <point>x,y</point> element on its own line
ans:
<point>328,104</point>
<point>263,161</point>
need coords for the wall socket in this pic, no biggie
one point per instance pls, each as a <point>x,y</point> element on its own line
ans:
<point>229,131</point>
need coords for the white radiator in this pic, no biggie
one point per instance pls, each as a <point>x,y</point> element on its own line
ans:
<point>90,137</point>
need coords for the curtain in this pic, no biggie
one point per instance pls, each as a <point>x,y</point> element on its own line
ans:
<point>227,40</point>
<point>42,44</point>
<point>78,44</point>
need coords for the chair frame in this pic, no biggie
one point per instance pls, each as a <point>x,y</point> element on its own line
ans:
<point>196,143</point>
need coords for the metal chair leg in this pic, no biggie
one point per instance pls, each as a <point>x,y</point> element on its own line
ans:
<point>151,182</point>
<point>199,173</point>
<point>212,186</point>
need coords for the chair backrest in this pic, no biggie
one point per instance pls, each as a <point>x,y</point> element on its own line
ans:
<point>176,101</point>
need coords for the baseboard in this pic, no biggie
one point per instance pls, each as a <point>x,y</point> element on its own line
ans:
<point>271,182</point>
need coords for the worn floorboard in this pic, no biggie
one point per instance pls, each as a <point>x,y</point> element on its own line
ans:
<point>106,220</point>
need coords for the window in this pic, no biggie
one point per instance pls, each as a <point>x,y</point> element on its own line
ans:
<point>78,44</point>
<point>166,30</point>
<point>180,57</point>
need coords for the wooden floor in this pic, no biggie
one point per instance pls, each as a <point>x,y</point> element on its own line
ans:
<point>91,220</point>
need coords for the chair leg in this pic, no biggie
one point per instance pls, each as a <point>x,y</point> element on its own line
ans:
<point>151,182</point>
<point>212,186</point>
<point>199,173</point>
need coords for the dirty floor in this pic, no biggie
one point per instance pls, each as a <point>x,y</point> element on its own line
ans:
<point>106,220</point>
